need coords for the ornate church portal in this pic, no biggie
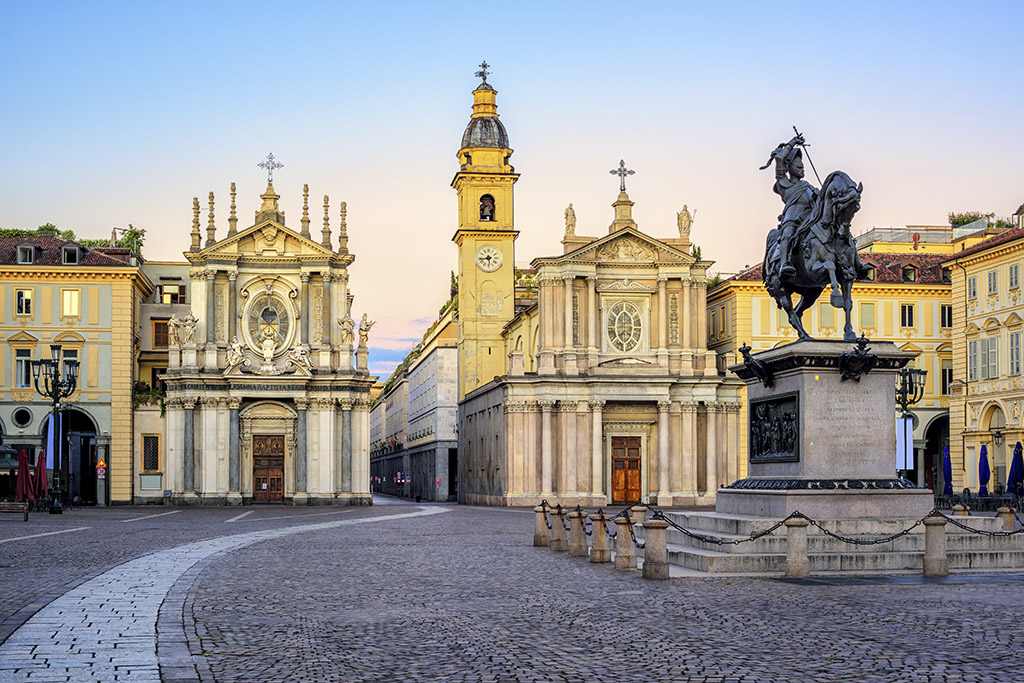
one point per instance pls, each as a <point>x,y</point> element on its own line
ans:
<point>268,394</point>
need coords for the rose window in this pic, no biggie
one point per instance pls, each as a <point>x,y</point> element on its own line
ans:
<point>624,326</point>
<point>268,319</point>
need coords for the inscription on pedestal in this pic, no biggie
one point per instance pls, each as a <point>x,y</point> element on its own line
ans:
<point>775,429</point>
<point>857,435</point>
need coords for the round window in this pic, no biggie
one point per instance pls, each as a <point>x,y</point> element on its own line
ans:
<point>268,319</point>
<point>22,416</point>
<point>624,326</point>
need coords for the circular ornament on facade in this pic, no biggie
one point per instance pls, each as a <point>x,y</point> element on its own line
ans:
<point>624,326</point>
<point>269,319</point>
<point>488,258</point>
<point>22,417</point>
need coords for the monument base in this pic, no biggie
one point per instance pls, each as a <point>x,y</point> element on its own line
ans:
<point>827,505</point>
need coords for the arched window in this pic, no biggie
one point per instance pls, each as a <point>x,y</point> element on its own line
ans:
<point>487,208</point>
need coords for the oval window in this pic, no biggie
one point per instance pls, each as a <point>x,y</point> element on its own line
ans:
<point>624,326</point>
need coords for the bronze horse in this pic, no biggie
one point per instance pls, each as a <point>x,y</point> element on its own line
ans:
<point>825,255</point>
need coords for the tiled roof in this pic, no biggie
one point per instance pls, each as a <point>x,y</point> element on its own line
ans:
<point>49,252</point>
<point>888,268</point>
<point>1002,238</point>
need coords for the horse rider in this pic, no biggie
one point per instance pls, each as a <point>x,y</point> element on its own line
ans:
<point>797,194</point>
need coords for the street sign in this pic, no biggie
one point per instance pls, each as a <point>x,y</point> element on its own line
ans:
<point>101,472</point>
<point>101,463</point>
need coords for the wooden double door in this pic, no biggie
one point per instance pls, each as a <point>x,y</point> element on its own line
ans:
<point>625,469</point>
<point>268,468</point>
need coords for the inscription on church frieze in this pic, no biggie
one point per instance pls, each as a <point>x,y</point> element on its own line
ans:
<point>774,433</point>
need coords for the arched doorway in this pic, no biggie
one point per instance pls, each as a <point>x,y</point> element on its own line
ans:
<point>994,422</point>
<point>936,436</point>
<point>78,456</point>
<point>267,435</point>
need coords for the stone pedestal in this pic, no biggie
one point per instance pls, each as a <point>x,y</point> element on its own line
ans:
<point>821,444</point>
<point>362,356</point>
<point>188,356</point>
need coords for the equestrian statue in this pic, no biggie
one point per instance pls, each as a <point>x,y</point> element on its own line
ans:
<point>812,248</point>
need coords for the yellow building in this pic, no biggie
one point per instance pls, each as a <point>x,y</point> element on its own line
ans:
<point>988,397</point>
<point>906,301</point>
<point>55,291</point>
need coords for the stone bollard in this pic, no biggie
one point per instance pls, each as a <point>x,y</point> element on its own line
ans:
<point>601,552</point>
<point>577,537</point>
<point>540,529</point>
<point>1007,514</point>
<point>797,563</point>
<point>625,551</point>
<point>557,542</point>
<point>960,510</point>
<point>656,550</point>
<point>935,562</point>
<point>639,513</point>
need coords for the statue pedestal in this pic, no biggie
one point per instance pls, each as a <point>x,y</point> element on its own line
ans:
<point>188,356</point>
<point>362,356</point>
<point>173,357</point>
<point>345,357</point>
<point>820,444</point>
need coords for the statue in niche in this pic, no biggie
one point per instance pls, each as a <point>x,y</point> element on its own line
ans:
<point>268,342</point>
<point>348,329</point>
<point>683,219</point>
<point>299,357</point>
<point>570,220</point>
<point>487,208</point>
<point>187,327</point>
<point>364,331</point>
<point>174,331</point>
<point>235,355</point>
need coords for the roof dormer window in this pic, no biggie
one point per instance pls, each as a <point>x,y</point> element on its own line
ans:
<point>26,255</point>
<point>909,274</point>
<point>69,256</point>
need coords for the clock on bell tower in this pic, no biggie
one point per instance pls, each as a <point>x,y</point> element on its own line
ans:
<point>485,238</point>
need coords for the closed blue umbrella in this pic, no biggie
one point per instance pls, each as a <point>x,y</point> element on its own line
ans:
<point>1016,478</point>
<point>983,472</point>
<point>947,474</point>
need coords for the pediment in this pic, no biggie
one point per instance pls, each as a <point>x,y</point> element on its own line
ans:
<point>1012,320</point>
<point>268,238</point>
<point>912,348</point>
<point>624,362</point>
<point>991,323</point>
<point>625,285</point>
<point>628,246</point>
<point>971,328</point>
<point>22,337</point>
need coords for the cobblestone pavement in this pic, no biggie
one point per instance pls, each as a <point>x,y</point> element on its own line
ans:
<point>301,594</point>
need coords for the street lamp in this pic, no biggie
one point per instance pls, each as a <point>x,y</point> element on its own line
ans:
<point>46,375</point>
<point>997,437</point>
<point>909,390</point>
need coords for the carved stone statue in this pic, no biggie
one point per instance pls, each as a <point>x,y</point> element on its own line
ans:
<point>364,330</point>
<point>348,329</point>
<point>268,342</point>
<point>188,329</point>
<point>570,220</point>
<point>683,219</point>
<point>299,357</point>
<point>174,331</point>
<point>235,355</point>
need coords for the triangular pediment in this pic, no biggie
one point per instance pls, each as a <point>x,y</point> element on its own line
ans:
<point>1012,320</point>
<point>266,238</point>
<point>628,246</point>
<point>22,337</point>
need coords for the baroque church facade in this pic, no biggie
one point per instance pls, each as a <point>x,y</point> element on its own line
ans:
<point>592,383</point>
<point>267,388</point>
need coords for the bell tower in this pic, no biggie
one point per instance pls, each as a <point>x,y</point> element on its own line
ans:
<point>485,238</point>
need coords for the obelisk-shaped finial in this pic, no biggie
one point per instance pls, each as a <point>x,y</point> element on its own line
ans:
<point>305,211</point>
<point>232,219</point>
<point>211,229</point>
<point>326,241</point>
<point>196,235</point>
<point>343,230</point>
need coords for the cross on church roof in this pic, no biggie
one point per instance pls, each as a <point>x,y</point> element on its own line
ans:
<point>269,165</point>
<point>482,73</point>
<point>622,172</point>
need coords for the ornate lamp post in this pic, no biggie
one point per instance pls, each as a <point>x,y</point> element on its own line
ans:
<point>46,374</point>
<point>909,390</point>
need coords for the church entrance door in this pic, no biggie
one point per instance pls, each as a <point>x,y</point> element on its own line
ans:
<point>625,469</point>
<point>268,468</point>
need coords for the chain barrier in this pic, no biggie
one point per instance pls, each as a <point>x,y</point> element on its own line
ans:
<point>938,513</point>
<point>862,541</point>
<point>546,507</point>
<point>658,514</point>
<point>561,515</point>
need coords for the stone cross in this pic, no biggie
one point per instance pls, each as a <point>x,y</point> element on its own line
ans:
<point>622,172</point>
<point>270,164</point>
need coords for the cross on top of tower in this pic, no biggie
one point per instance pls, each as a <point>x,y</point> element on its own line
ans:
<point>269,165</point>
<point>483,72</point>
<point>622,172</point>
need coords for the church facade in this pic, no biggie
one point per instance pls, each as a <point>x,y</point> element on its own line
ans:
<point>592,383</point>
<point>267,390</point>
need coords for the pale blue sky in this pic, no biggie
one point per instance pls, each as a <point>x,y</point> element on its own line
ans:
<point>121,112</point>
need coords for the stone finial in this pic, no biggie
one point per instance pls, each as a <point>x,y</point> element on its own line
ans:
<point>343,229</point>
<point>326,240</point>
<point>232,218</point>
<point>211,228</point>
<point>196,236</point>
<point>305,211</point>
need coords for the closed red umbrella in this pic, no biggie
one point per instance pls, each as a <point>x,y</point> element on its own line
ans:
<point>24,486</point>
<point>42,483</point>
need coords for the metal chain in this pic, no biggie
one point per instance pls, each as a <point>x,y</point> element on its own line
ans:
<point>547,521</point>
<point>977,531</point>
<point>860,541</point>
<point>561,515</point>
<point>632,535</point>
<point>718,541</point>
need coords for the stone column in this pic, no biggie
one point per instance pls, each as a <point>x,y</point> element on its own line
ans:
<point>327,309</point>
<point>301,444</point>
<point>569,358</point>
<point>545,446</point>
<point>593,317</point>
<point>596,449</point>
<point>688,455</point>
<point>306,318</point>
<point>663,321</point>
<point>687,312</point>
<point>211,307</point>
<point>711,456</point>
<point>545,297</point>
<point>232,326</point>
<point>567,410</point>
<point>234,471</point>
<point>702,314</point>
<point>663,466</point>
<point>189,457</point>
<point>347,452</point>
<point>361,449</point>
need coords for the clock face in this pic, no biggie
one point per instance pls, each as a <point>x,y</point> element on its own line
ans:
<point>488,258</point>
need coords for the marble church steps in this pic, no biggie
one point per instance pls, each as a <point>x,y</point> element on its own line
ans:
<point>767,555</point>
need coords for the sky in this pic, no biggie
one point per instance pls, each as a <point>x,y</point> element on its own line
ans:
<point>122,112</point>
